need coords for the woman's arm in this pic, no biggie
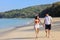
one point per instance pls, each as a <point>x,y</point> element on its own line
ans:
<point>44,23</point>
<point>40,21</point>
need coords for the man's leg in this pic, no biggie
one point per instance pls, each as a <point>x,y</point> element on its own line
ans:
<point>46,32</point>
<point>49,30</point>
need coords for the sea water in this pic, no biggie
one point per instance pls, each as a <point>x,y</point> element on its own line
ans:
<point>14,22</point>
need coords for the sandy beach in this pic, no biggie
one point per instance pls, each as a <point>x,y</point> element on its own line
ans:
<point>28,33</point>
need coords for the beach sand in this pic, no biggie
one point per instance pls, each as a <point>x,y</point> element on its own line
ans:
<point>28,33</point>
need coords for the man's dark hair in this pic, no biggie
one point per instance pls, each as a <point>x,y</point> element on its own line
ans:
<point>47,13</point>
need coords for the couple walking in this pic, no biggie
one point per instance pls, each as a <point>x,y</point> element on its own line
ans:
<point>47,24</point>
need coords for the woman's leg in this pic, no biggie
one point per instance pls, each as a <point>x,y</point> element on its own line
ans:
<point>37,32</point>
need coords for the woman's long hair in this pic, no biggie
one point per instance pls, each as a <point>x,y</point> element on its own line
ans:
<point>36,17</point>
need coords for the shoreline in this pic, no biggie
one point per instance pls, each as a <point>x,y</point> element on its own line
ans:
<point>26,32</point>
<point>5,30</point>
<point>55,20</point>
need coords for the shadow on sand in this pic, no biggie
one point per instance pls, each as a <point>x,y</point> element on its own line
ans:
<point>24,38</point>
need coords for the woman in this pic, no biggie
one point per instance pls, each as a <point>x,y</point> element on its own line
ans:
<point>36,25</point>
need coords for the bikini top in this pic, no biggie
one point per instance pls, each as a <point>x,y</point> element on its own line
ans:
<point>37,21</point>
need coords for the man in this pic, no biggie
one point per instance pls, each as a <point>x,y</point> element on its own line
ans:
<point>47,23</point>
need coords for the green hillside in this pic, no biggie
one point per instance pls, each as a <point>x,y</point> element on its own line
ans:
<point>54,10</point>
<point>30,12</point>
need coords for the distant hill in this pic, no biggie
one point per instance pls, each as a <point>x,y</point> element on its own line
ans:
<point>54,10</point>
<point>30,12</point>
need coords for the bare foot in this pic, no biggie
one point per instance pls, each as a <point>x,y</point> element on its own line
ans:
<point>48,36</point>
<point>36,36</point>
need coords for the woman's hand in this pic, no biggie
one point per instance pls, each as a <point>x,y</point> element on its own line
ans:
<point>43,25</point>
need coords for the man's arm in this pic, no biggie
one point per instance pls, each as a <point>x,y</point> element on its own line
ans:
<point>51,21</point>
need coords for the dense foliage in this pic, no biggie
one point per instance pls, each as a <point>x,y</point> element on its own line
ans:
<point>54,10</point>
<point>30,12</point>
